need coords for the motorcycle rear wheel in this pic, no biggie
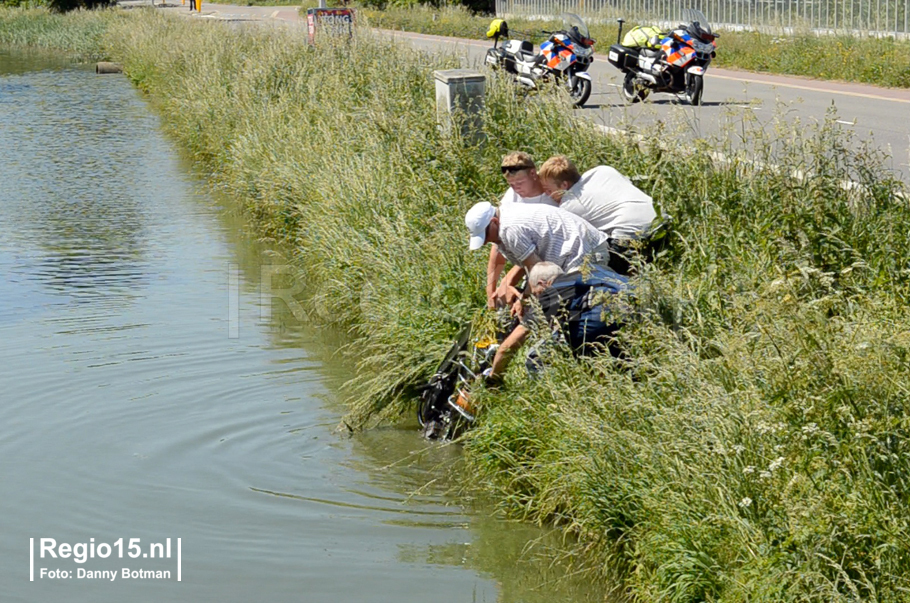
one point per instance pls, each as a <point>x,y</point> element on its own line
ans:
<point>580,91</point>
<point>694,89</point>
<point>632,92</point>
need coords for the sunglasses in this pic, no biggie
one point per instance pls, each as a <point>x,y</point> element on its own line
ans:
<point>513,169</point>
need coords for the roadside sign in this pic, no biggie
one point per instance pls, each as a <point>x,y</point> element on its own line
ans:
<point>329,20</point>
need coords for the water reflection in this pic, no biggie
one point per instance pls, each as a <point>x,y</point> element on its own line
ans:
<point>77,188</point>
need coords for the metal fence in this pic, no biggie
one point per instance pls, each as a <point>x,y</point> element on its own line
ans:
<point>857,17</point>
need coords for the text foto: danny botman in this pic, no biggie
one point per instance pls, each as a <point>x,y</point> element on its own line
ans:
<point>81,552</point>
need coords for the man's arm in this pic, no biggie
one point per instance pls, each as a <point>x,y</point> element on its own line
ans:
<point>495,265</point>
<point>507,290</point>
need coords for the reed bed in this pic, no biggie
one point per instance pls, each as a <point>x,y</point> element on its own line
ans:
<point>80,34</point>
<point>754,446</point>
<point>882,61</point>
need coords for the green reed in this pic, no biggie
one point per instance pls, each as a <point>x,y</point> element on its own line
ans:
<point>79,34</point>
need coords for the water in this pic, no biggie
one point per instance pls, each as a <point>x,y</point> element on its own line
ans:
<point>143,395</point>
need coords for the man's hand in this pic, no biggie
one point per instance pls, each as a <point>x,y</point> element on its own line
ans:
<point>557,195</point>
<point>518,309</point>
<point>501,298</point>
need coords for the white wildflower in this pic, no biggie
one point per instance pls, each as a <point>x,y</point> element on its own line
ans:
<point>745,502</point>
<point>775,464</point>
<point>748,470</point>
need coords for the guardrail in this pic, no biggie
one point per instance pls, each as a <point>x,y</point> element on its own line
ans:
<point>855,17</point>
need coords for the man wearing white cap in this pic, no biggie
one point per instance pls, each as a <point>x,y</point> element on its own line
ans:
<point>525,235</point>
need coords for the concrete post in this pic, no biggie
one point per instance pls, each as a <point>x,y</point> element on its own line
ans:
<point>461,91</point>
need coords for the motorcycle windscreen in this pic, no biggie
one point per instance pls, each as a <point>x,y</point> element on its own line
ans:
<point>571,20</point>
<point>692,15</point>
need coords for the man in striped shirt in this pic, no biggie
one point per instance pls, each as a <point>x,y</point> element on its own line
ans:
<point>526,235</point>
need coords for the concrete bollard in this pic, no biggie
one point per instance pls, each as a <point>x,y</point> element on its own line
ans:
<point>460,91</point>
<point>103,67</point>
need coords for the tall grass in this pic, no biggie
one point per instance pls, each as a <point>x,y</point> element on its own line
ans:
<point>879,61</point>
<point>755,445</point>
<point>80,34</point>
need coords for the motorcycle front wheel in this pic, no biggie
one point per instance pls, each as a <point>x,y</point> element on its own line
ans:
<point>579,90</point>
<point>631,92</point>
<point>694,88</point>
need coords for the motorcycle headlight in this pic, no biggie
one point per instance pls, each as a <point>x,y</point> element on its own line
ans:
<point>583,52</point>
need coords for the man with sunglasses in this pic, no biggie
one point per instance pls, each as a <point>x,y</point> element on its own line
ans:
<point>520,172</point>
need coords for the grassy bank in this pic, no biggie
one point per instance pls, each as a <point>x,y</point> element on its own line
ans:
<point>755,448</point>
<point>79,34</point>
<point>883,62</point>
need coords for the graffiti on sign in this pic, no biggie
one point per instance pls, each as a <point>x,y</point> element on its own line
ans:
<point>329,20</point>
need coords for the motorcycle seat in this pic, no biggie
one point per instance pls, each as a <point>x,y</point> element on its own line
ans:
<point>649,52</point>
<point>528,57</point>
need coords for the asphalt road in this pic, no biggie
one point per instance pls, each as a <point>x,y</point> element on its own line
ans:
<point>879,116</point>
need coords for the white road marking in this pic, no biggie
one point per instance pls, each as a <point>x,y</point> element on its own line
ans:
<point>810,88</point>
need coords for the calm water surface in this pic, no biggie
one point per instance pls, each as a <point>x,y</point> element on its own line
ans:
<point>142,394</point>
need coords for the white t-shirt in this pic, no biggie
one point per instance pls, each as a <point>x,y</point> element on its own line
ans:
<point>553,234</point>
<point>610,202</point>
<point>511,196</point>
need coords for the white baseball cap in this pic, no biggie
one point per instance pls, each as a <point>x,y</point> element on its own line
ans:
<point>477,219</point>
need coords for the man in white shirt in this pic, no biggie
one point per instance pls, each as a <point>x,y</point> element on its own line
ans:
<point>520,172</point>
<point>602,196</point>
<point>526,235</point>
<point>606,199</point>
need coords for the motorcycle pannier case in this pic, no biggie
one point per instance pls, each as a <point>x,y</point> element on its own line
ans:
<point>621,57</point>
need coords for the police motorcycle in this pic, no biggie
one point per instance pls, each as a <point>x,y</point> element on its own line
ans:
<point>673,62</point>
<point>564,57</point>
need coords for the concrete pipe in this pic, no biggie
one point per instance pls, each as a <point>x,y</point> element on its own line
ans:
<point>108,68</point>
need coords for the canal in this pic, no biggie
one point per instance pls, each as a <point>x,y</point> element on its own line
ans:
<point>150,391</point>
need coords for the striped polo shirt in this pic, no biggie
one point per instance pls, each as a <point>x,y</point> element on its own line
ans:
<point>555,235</point>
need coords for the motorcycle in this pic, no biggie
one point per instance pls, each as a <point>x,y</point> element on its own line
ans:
<point>674,62</point>
<point>444,409</point>
<point>564,57</point>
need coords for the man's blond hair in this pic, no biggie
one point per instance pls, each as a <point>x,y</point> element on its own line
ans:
<point>559,169</point>
<point>518,159</point>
